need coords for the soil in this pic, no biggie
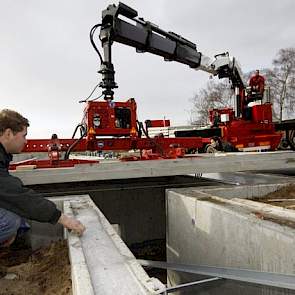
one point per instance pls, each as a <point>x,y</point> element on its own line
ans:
<point>45,271</point>
<point>284,197</point>
<point>152,250</point>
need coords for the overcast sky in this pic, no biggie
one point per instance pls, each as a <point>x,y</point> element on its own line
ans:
<point>47,63</point>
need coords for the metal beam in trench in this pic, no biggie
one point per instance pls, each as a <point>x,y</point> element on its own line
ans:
<point>243,275</point>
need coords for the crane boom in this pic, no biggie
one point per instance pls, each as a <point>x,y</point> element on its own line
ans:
<point>148,37</point>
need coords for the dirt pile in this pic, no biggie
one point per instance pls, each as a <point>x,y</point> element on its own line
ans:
<point>284,197</point>
<point>45,271</point>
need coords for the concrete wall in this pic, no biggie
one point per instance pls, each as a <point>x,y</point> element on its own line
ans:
<point>208,232</point>
<point>137,206</point>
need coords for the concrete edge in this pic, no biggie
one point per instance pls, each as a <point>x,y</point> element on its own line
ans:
<point>225,191</point>
<point>152,285</point>
<point>81,281</point>
<point>244,207</point>
<point>252,190</point>
<point>81,274</point>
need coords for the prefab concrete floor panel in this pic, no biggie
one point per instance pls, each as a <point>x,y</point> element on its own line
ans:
<point>201,163</point>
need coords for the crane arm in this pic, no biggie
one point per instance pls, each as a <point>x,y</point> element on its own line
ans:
<point>148,37</point>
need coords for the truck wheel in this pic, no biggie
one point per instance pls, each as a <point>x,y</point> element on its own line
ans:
<point>284,144</point>
<point>290,134</point>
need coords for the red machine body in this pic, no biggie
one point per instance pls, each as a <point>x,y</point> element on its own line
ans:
<point>262,113</point>
<point>109,118</point>
<point>254,130</point>
<point>109,126</point>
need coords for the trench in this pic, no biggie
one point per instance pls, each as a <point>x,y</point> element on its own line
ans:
<point>136,206</point>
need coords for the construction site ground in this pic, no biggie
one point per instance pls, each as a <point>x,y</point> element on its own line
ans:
<point>45,271</point>
<point>284,197</point>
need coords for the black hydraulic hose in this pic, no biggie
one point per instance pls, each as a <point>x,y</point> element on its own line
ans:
<point>93,43</point>
<point>67,154</point>
<point>75,131</point>
<point>83,130</point>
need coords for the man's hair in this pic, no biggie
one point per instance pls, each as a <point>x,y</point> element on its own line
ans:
<point>12,120</point>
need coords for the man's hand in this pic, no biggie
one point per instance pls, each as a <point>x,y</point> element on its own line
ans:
<point>71,223</point>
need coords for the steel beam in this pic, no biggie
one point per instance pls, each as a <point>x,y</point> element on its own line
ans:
<point>243,275</point>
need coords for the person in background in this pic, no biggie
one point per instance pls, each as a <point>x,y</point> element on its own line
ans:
<point>257,83</point>
<point>18,203</point>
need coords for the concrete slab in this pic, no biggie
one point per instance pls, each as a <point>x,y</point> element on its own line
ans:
<point>101,262</point>
<point>247,178</point>
<point>201,163</point>
<point>218,227</point>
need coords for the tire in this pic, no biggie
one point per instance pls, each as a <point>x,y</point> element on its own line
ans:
<point>290,134</point>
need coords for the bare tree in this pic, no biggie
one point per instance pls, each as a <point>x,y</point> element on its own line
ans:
<point>216,94</point>
<point>281,80</point>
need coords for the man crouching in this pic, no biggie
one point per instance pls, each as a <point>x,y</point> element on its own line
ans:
<point>18,203</point>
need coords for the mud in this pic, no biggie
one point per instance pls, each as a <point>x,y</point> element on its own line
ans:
<point>45,271</point>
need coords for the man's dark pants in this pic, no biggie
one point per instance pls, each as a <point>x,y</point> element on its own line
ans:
<point>9,225</point>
